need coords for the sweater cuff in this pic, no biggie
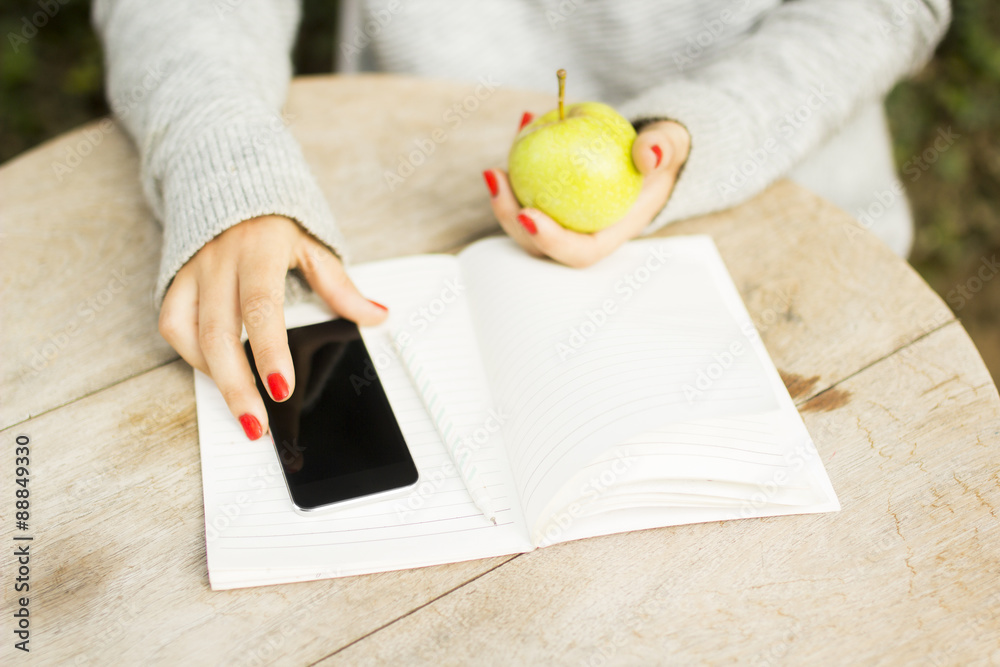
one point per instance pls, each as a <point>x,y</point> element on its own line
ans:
<point>719,139</point>
<point>229,174</point>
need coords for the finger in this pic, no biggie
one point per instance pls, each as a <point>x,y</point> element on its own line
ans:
<point>491,183</point>
<point>581,250</point>
<point>507,211</point>
<point>539,234</point>
<point>326,275</point>
<point>553,240</point>
<point>178,322</point>
<point>219,337</point>
<point>652,150</point>
<point>261,276</point>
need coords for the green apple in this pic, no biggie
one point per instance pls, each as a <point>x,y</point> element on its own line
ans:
<point>575,165</point>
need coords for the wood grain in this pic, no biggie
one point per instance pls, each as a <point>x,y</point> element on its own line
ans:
<point>82,247</point>
<point>907,573</point>
<point>901,407</point>
<point>827,297</point>
<point>80,251</point>
<point>118,557</point>
<point>355,130</point>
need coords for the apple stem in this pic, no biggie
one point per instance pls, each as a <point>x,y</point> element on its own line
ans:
<point>561,74</point>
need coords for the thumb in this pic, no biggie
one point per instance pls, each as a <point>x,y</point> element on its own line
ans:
<point>326,275</point>
<point>652,150</point>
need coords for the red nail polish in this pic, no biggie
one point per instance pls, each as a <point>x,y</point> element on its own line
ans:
<point>525,119</point>
<point>278,386</point>
<point>251,426</point>
<point>527,223</point>
<point>659,155</point>
<point>378,304</point>
<point>491,182</point>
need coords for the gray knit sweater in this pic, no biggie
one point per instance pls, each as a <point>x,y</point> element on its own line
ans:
<point>763,86</point>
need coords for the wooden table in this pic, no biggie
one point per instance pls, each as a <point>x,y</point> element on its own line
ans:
<point>903,412</point>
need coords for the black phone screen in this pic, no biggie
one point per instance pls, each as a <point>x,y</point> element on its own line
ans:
<point>336,436</point>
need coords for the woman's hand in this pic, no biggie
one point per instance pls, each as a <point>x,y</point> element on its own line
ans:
<point>238,279</point>
<point>658,152</point>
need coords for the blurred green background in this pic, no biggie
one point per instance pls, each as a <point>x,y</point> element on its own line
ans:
<point>53,83</point>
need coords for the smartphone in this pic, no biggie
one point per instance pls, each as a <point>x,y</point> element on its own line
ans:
<point>336,436</point>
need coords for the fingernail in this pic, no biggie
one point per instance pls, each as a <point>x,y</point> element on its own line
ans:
<point>491,182</point>
<point>278,386</point>
<point>378,304</point>
<point>527,223</point>
<point>251,426</point>
<point>525,119</point>
<point>659,155</point>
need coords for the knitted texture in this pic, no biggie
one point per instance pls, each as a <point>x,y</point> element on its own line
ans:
<point>760,85</point>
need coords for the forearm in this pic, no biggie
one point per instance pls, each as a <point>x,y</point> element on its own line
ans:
<point>199,86</point>
<point>784,89</point>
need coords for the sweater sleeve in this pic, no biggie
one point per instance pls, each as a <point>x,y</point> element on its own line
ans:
<point>199,86</point>
<point>757,109</point>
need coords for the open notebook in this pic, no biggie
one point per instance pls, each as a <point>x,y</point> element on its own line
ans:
<point>629,395</point>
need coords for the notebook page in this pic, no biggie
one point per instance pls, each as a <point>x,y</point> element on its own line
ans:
<point>253,535</point>
<point>713,470</point>
<point>654,334</point>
